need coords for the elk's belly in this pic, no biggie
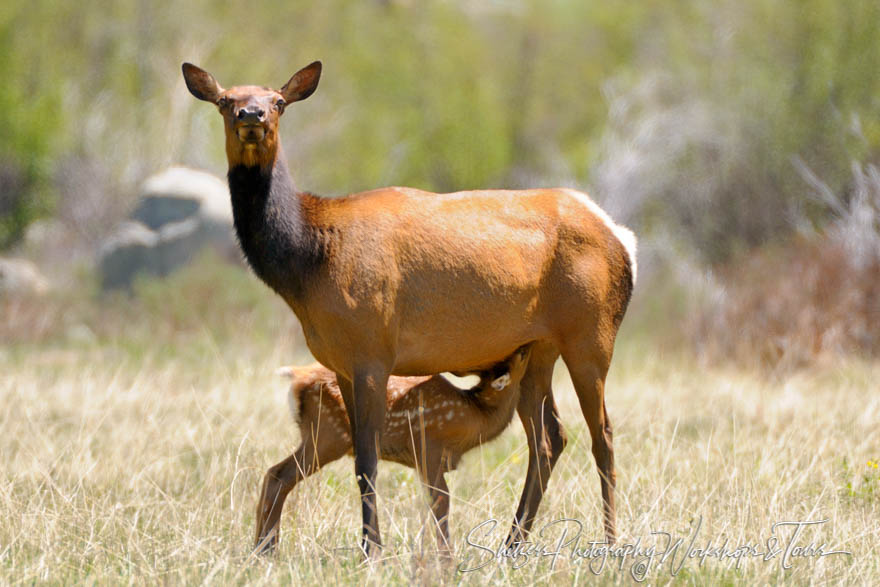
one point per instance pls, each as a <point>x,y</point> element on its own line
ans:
<point>463,336</point>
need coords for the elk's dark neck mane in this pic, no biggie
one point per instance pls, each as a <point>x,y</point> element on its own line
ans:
<point>273,228</point>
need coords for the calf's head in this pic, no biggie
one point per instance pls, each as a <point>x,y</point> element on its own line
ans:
<point>508,372</point>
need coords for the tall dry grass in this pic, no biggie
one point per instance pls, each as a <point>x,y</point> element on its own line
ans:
<point>137,460</point>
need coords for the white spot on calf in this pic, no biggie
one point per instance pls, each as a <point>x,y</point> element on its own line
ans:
<point>501,382</point>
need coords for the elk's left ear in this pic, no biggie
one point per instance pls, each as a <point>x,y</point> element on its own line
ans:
<point>303,83</point>
<point>201,84</point>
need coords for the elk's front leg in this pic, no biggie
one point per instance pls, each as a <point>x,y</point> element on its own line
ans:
<point>365,399</point>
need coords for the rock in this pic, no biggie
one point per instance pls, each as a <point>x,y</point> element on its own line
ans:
<point>18,276</point>
<point>127,252</point>
<point>180,212</point>
<point>178,243</point>
<point>179,193</point>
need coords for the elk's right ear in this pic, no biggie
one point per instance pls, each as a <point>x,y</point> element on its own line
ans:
<point>201,84</point>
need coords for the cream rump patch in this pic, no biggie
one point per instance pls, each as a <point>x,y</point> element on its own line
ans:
<point>623,234</point>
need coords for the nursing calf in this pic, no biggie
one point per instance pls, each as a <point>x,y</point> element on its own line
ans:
<point>430,424</point>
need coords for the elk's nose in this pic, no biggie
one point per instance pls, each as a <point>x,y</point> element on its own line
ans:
<point>251,114</point>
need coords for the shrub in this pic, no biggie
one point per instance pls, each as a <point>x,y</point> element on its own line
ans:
<point>816,296</point>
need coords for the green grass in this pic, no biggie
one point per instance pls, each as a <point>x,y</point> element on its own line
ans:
<point>135,456</point>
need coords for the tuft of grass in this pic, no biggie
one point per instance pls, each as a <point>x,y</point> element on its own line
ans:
<point>135,456</point>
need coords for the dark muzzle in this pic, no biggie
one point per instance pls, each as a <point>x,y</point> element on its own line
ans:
<point>251,115</point>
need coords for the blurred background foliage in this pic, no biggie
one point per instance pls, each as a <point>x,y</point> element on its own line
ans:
<point>708,125</point>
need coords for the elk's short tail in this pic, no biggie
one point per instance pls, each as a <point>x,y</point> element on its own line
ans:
<point>295,394</point>
<point>312,376</point>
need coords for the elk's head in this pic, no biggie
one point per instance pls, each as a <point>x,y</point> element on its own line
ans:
<point>251,113</point>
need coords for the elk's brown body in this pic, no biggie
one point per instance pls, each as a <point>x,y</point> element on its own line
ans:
<point>429,425</point>
<point>398,280</point>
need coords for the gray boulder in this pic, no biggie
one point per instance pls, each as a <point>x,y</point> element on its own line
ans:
<point>179,193</point>
<point>180,212</point>
<point>21,277</point>
<point>130,250</point>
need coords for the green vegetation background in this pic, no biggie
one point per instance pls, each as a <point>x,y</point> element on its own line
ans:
<point>452,95</point>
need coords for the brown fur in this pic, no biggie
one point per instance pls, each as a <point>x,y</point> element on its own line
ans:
<point>430,424</point>
<point>402,281</point>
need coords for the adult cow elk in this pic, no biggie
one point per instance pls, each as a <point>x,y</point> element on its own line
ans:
<point>403,281</point>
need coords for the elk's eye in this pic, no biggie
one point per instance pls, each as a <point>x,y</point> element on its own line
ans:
<point>279,105</point>
<point>222,103</point>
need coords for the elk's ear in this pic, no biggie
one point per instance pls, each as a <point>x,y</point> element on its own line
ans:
<point>303,83</point>
<point>201,84</point>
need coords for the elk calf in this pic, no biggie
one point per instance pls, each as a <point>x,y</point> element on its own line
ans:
<point>429,426</point>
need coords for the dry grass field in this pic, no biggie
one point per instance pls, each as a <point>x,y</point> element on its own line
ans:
<point>739,139</point>
<point>135,433</point>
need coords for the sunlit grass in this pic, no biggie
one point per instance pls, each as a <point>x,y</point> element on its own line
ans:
<point>125,464</point>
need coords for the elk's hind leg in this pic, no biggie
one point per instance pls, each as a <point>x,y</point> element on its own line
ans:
<point>588,365</point>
